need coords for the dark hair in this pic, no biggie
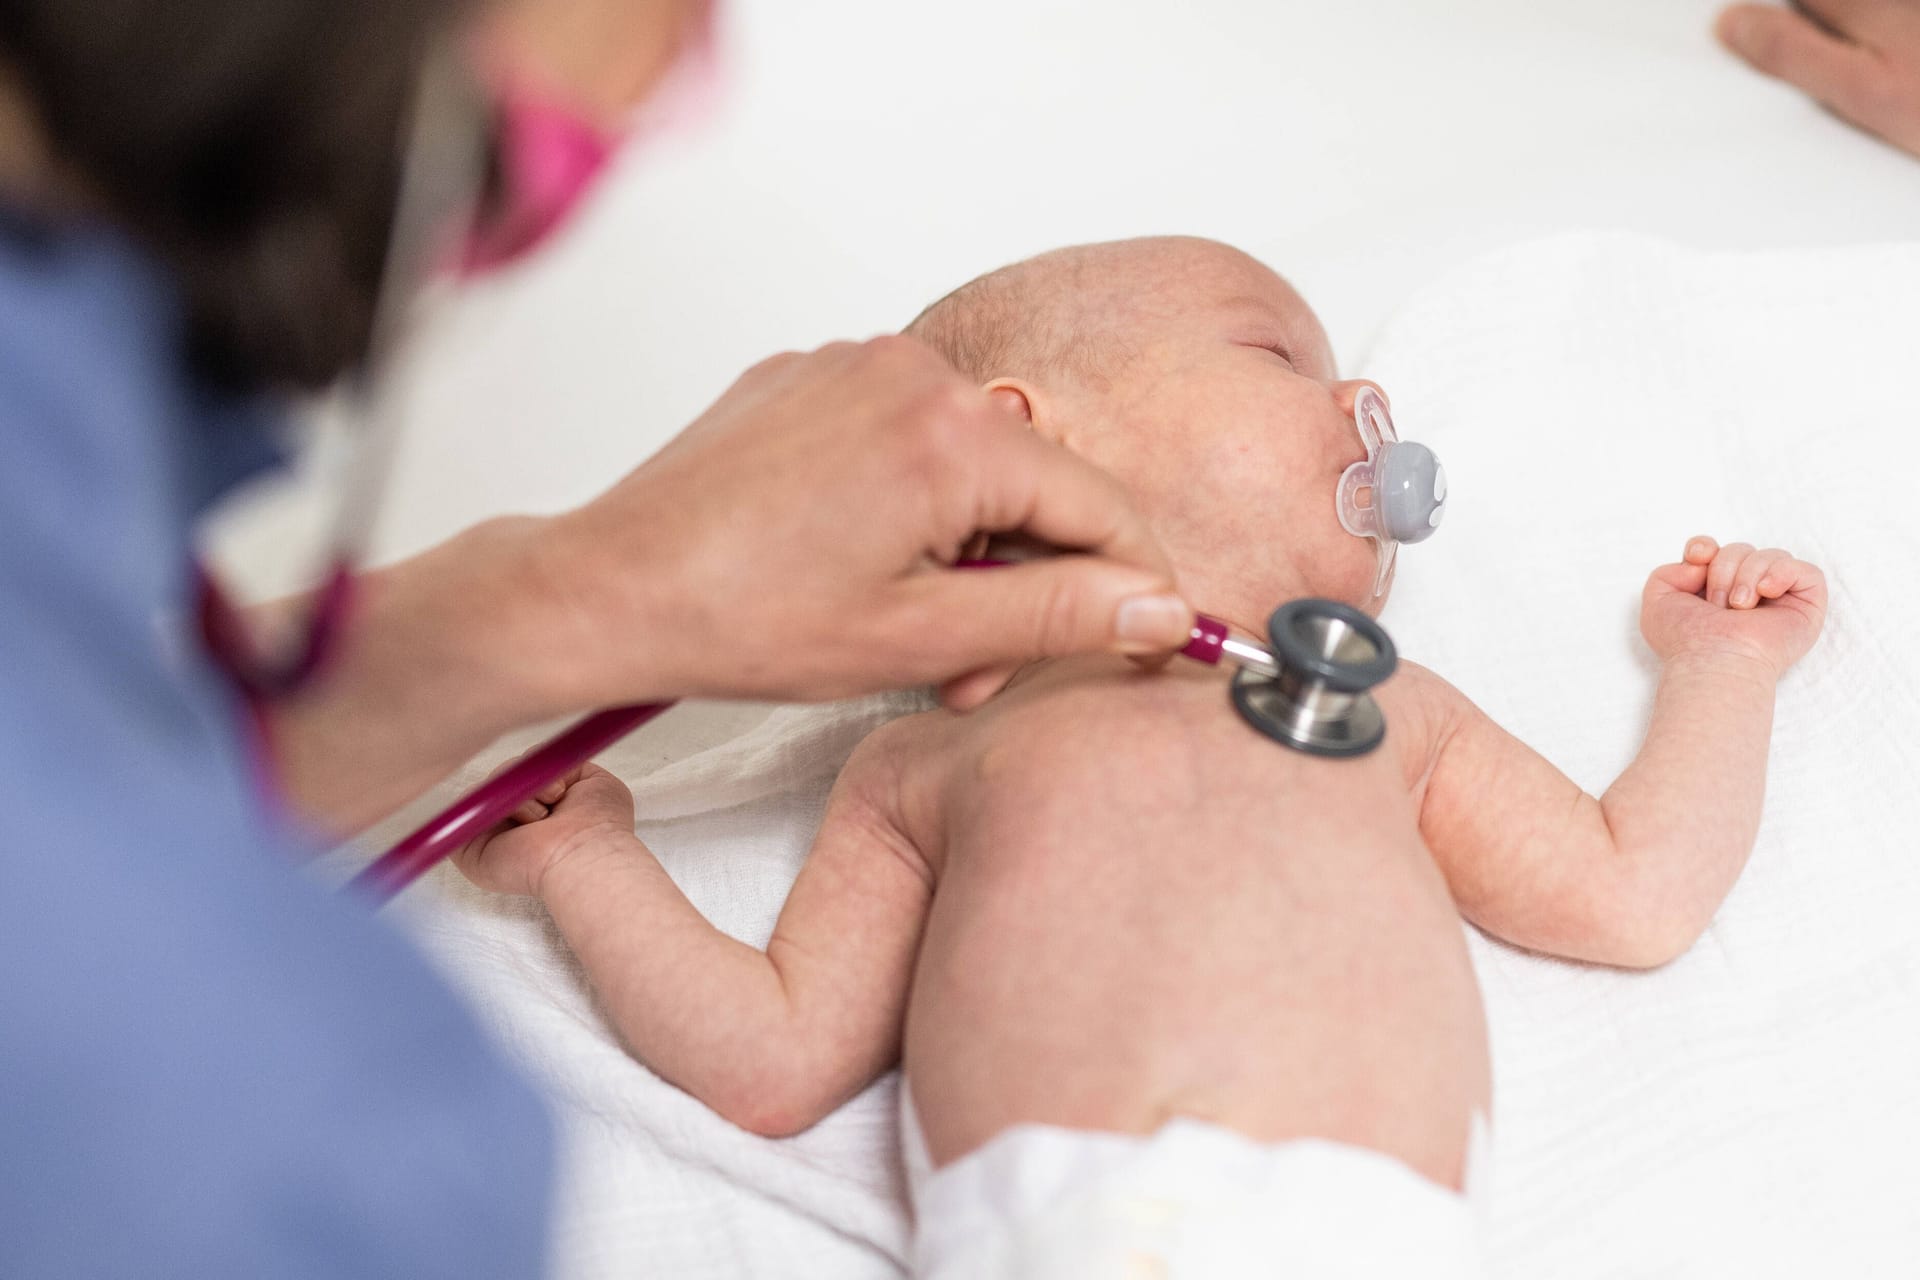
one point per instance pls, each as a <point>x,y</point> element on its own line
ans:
<point>250,145</point>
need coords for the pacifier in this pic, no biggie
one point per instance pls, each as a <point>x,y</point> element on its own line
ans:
<point>1399,494</point>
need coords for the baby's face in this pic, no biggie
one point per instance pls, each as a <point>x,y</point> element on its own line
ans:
<point>1225,420</point>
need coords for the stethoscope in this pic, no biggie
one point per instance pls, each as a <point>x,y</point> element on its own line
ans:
<point>443,163</point>
<point>1306,689</point>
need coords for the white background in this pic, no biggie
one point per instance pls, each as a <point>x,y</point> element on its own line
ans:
<point>871,154</point>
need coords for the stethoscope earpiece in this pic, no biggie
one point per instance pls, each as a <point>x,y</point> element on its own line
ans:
<point>1329,655</point>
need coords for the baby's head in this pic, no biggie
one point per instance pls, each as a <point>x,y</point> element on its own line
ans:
<point>1200,380</point>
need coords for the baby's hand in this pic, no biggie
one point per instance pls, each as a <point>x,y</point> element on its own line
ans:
<point>585,811</point>
<point>1734,600</point>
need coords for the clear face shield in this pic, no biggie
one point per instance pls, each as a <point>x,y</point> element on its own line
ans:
<point>1398,494</point>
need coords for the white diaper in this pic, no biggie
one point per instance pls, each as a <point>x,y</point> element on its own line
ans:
<point>1192,1200</point>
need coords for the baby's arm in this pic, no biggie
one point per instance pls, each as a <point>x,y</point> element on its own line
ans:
<point>772,1040</point>
<point>1635,877</point>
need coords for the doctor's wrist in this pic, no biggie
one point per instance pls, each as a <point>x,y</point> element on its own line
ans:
<point>596,629</point>
<point>443,652</point>
<point>465,633</point>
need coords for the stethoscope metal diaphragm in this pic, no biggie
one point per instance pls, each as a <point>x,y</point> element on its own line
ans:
<point>1329,655</point>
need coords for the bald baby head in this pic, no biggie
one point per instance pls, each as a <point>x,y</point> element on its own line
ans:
<point>1085,311</point>
<point>1195,376</point>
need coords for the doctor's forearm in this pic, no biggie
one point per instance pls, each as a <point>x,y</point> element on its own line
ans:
<point>444,653</point>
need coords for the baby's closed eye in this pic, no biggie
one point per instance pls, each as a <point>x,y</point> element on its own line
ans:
<point>1274,348</point>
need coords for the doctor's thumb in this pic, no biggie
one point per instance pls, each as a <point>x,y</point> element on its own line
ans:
<point>1068,604</point>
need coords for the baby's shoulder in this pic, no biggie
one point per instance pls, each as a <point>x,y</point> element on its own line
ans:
<point>1421,708</point>
<point>1419,691</point>
<point>901,742</point>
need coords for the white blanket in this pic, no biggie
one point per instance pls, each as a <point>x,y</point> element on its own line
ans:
<point>1751,1110</point>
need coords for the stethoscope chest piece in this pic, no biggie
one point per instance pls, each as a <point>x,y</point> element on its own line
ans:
<point>1329,655</point>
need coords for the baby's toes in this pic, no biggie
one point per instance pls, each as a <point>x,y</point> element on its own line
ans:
<point>1699,550</point>
<point>531,811</point>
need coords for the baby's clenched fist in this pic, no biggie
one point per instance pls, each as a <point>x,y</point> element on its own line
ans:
<point>1736,601</point>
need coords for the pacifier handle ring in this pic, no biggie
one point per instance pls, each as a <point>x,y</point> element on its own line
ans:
<point>1369,413</point>
<point>1294,653</point>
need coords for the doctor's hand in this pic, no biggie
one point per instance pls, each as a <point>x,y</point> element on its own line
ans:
<point>1859,58</point>
<point>795,543</point>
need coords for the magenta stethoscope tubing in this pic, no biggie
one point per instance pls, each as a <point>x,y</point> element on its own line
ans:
<point>493,801</point>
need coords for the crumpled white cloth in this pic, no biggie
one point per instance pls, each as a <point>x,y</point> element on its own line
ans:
<point>653,1183</point>
<point>1753,1109</point>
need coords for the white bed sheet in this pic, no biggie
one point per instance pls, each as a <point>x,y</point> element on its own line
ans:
<point>876,154</point>
<point>1752,1109</point>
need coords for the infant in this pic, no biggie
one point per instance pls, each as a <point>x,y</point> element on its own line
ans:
<point>1171,999</point>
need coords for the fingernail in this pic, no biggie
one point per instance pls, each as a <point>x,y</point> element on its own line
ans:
<point>1149,624</point>
<point>1743,596</point>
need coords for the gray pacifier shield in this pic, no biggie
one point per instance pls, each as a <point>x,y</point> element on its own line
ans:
<point>1410,487</point>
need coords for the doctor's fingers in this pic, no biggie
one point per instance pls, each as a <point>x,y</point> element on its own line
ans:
<point>971,629</point>
<point>1019,482</point>
<point>977,466</point>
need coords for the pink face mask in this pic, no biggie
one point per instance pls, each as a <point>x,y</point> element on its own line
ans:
<point>547,155</point>
<point>544,158</point>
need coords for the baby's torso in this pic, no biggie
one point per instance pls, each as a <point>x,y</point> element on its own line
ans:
<point>1144,909</point>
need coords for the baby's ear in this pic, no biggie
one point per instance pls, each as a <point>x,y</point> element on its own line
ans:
<point>1012,395</point>
<point>1345,393</point>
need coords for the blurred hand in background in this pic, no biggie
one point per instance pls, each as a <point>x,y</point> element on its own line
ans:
<point>1858,58</point>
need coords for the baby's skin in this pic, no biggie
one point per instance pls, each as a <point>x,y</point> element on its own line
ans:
<point>1101,900</point>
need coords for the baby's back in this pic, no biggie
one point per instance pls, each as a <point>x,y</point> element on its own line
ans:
<point>1145,909</point>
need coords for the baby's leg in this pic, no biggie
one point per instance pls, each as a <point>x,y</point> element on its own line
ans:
<point>773,1041</point>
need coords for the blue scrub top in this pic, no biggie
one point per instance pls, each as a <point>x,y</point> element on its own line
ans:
<point>209,1066</point>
